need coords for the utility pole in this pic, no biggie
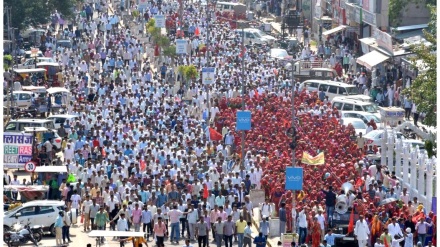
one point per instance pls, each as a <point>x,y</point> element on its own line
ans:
<point>208,58</point>
<point>11,37</point>
<point>243,88</point>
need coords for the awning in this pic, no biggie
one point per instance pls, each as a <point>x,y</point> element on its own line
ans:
<point>412,27</point>
<point>372,59</point>
<point>334,30</point>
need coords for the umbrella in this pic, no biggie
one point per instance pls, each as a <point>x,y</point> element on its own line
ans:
<point>386,201</point>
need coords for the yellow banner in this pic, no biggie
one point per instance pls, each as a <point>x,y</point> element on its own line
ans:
<point>310,160</point>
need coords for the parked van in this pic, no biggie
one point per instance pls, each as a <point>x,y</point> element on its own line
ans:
<point>19,124</point>
<point>331,88</point>
<point>354,105</point>
<point>254,35</point>
<point>237,8</point>
<point>22,99</point>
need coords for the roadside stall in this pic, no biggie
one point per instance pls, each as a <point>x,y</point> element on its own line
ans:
<point>29,77</point>
<point>51,72</point>
<point>391,116</point>
<point>28,192</point>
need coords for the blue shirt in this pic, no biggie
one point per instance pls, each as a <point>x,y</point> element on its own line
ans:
<point>331,238</point>
<point>161,200</point>
<point>260,241</point>
<point>58,222</point>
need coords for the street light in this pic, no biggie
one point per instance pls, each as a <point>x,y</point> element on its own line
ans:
<point>291,67</point>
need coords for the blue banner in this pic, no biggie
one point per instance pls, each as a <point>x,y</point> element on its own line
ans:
<point>243,120</point>
<point>434,205</point>
<point>294,178</point>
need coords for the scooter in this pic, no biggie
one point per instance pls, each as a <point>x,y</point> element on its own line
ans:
<point>19,237</point>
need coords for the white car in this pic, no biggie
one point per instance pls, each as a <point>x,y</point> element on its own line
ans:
<point>22,99</point>
<point>374,137</point>
<point>278,53</point>
<point>358,124</point>
<point>413,143</point>
<point>30,63</point>
<point>39,212</point>
<point>61,119</point>
<point>364,116</point>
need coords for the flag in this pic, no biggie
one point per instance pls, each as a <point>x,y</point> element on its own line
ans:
<point>214,135</point>
<point>103,153</point>
<point>205,191</point>
<point>310,160</point>
<point>197,31</point>
<point>359,183</point>
<point>351,222</point>
<point>143,165</point>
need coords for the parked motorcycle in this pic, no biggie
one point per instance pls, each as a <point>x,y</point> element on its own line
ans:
<point>21,235</point>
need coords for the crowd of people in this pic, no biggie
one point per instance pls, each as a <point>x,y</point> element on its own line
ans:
<point>142,155</point>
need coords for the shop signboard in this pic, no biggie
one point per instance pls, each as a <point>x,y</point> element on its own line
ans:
<point>384,41</point>
<point>369,17</point>
<point>357,14</point>
<point>17,149</point>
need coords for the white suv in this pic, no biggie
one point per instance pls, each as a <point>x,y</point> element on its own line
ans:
<point>39,212</point>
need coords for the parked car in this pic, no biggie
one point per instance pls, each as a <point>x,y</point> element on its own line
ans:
<point>18,125</point>
<point>30,63</point>
<point>58,120</point>
<point>413,143</point>
<point>22,99</point>
<point>358,124</point>
<point>374,137</point>
<point>38,212</point>
<point>364,116</point>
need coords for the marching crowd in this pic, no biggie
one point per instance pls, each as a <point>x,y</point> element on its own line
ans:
<point>142,152</point>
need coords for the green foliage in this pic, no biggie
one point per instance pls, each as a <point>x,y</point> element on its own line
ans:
<point>170,51</point>
<point>188,71</point>
<point>423,90</point>
<point>27,13</point>
<point>135,13</point>
<point>7,62</point>
<point>429,147</point>
<point>396,7</point>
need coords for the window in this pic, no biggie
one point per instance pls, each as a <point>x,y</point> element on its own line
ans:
<point>249,35</point>
<point>22,125</point>
<point>342,91</point>
<point>358,108</point>
<point>348,107</point>
<point>28,211</point>
<point>60,120</point>
<point>323,87</point>
<point>11,126</point>
<point>46,210</point>
<point>333,89</point>
<point>25,97</point>
<point>49,125</point>
<point>338,105</point>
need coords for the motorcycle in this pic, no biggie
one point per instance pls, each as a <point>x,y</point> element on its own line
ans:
<point>21,235</point>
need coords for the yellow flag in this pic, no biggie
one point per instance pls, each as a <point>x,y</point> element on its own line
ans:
<point>310,160</point>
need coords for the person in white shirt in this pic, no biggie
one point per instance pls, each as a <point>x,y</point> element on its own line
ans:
<point>266,208</point>
<point>122,224</point>
<point>361,231</point>
<point>394,228</point>
<point>175,215</point>
<point>302,224</point>
<point>86,205</point>
<point>75,200</point>
<point>192,220</point>
<point>321,221</point>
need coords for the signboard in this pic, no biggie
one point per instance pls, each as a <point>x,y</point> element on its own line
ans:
<point>30,166</point>
<point>181,45</point>
<point>208,75</point>
<point>369,17</point>
<point>357,14</point>
<point>143,5</point>
<point>384,41</point>
<point>160,21</point>
<point>243,120</point>
<point>294,178</point>
<point>17,149</point>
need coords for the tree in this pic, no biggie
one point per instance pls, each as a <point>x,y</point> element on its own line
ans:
<point>25,13</point>
<point>423,90</point>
